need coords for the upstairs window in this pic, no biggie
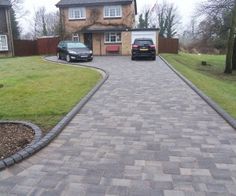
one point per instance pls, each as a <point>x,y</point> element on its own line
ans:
<point>3,43</point>
<point>77,13</point>
<point>112,37</point>
<point>112,11</point>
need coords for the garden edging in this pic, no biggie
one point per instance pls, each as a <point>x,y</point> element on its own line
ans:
<point>39,143</point>
<point>20,155</point>
<point>228,118</point>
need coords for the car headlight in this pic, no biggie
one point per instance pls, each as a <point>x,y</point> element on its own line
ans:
<point>90,52</point>
<point>72,52</point>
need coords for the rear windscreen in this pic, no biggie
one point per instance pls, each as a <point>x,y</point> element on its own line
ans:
<point>143,42</point>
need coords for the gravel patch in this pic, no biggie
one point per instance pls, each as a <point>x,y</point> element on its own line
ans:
<point>14,137</point>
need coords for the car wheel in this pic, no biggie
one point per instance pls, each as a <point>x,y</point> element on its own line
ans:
<point>154,58</point>
<point>132,58</point>
<point>58,56</point>
<point>68,59</point>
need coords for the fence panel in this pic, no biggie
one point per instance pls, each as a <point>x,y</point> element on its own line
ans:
<point>168,45</point>
<point>41,46</point>
<point>25,47</point>
<point>47,45</point>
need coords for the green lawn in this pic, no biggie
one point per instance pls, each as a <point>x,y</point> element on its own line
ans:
<point>41,92</point>
<point>210,79</point>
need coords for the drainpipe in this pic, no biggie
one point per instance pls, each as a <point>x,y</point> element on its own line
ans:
<point>100,44</point>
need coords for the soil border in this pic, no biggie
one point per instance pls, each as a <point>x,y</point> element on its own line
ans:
<point>18,156</point>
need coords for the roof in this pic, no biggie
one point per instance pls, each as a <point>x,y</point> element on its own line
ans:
<point>70,3</point>
<point>5,3</point>
<point>97,28</point>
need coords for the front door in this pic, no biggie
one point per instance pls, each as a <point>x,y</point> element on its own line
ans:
<point>88,40</point>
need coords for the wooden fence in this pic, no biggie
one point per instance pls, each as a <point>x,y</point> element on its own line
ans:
<point>41,46</point>
<point>168,45</point>
<point>25,47</point>
<point>48,45</point>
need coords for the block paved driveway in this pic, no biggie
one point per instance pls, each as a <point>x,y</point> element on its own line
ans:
<point>145,132</point>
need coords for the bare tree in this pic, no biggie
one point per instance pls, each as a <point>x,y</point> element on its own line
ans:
<point>144,17</point>
<point>165,15</point>
<point>18,7</point>
<point>171,21</point>
<point>46,24</point>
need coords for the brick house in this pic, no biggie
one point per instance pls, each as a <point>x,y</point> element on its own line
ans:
<point>105,26</point>
<point>6,39</point>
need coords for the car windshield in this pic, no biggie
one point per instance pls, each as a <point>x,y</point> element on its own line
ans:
<point>73,45</point>
<point>143,42</point>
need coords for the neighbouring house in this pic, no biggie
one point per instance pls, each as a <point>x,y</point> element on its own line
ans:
<point>105,26</point>
<point>6,38</point>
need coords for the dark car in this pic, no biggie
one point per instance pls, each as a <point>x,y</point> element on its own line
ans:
<point>74,51</point>
<point>143,48</point>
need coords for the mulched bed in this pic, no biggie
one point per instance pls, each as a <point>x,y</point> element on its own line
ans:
<point>14,137</point>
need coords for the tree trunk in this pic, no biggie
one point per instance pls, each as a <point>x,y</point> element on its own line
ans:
<point>234,55</point>
<point>229,56</point>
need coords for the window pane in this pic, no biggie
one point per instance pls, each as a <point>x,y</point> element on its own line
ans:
<point>118,11</point>
<point>118,37</point>
<point>3,42</point>
<point>106,11</point>
<point>76,13</point>
<point>71,13</point>
<point>113,38</point>
<point>112,11</point>
<point>107,37</point>
<point>82,13</point>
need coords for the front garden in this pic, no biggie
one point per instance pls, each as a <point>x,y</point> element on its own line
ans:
<point>41,92</point>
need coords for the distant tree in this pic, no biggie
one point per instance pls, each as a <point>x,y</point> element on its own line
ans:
<point>14,25</point>
<point>171,21</point>
<point>215,9</point>
<point>146,19</point>
<point>144,22</point>
<point>141,21</point>
<point>46,24</point>
<point>166,16</point>
<point>161,10</point>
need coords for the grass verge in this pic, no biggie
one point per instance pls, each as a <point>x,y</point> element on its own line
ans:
<point>41,92</point>
<point>210,79</point>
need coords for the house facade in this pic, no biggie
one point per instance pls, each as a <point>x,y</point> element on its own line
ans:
<point>105,26</point>
<point>6,39</point>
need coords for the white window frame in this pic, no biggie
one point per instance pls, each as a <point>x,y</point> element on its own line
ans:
<point>81,15</point>
<point>107,11</point>
<point>75,37</point>
<point>109,36</point>
<point>3,47</point>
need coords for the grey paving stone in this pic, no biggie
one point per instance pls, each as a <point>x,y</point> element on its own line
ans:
<point>8,161</point>
<point>145,132</point>
<point>2,165</point>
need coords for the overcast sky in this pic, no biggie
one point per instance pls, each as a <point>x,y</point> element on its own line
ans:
<point>185,7</point>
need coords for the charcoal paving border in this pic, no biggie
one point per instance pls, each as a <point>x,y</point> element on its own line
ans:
<point>38,143</point>
<point>228,118</point>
